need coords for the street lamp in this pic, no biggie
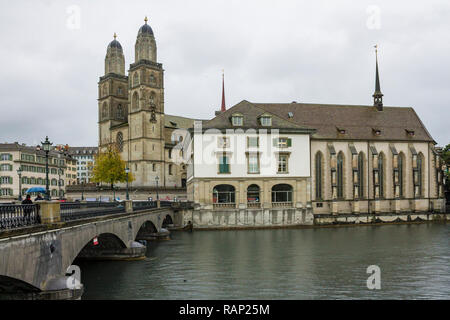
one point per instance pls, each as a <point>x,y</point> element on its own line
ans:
<point>19,172</point>
<point>59,176</point>
<point>46,146</point>
<point>127,170</point>
<point>157,195</point>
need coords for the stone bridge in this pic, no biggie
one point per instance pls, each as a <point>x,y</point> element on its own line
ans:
<point>34,265</point>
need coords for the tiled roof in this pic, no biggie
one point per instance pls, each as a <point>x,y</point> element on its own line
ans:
<point>358,122</point>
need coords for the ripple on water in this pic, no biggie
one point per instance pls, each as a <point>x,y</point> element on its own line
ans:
<point>282,264</point>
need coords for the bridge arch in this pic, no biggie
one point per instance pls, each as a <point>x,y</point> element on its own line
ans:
<point>12,285</point>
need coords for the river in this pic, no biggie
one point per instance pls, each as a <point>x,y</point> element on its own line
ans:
<point>316,263</point>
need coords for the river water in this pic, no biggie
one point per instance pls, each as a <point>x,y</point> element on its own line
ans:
<point>316,263</point>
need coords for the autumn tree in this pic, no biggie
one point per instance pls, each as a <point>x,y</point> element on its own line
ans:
<point>110,168</point>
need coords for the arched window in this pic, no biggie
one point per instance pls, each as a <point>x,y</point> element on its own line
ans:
<point>224,193</point>
<point>152,79</point>
<point>154,167</point>
<point>381,174</point>
<point>152,99</point>
<point>253,194</point>
<point>340,175</point>
<point>361,175</point>
<point>282,193</point>
<point>418,176</point>
<point>105,110</point>
<point>319,175</point>
<point>119,141</point>
<point>54,182</point>
<point>135,102</point>
<point>401,169</point>
<point>119,112</point>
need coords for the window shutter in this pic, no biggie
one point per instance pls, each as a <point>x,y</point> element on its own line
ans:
<point>275,142</point>
<point>289,142</point>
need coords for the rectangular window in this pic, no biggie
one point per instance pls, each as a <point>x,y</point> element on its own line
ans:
<point>224,164</point>
<point>223,142</point>
<point>237,120</point>
<point>252,142</point>
<point>266,121</point>
<point>282,142</point>
<point>282,163</point>
<point>253,163</point>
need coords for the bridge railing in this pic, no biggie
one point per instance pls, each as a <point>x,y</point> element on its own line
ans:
<point>75,211</point>
<point>18,215</point>
<point>144,205</point>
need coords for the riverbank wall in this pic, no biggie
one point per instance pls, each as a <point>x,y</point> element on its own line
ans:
<point>204,219</point>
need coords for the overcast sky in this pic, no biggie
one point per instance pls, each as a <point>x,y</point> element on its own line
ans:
<point>52,55</point>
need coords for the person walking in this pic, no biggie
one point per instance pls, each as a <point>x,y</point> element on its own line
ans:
<point>27,209</point>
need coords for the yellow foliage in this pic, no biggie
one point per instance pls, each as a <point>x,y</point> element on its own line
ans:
<point>110,168</point>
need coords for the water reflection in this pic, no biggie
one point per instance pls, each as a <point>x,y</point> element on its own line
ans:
<point>326,263</point>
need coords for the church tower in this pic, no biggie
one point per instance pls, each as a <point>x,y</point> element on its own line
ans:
<point>146,152</point>
<point>112,93</point>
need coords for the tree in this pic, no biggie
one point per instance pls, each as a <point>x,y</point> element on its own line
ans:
<point>110,168</point>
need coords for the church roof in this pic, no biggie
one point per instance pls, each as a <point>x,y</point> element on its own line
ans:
<point>359,122</point>
<point>328,120</point>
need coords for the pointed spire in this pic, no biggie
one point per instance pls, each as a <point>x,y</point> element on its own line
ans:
<point>223,108</point>
<point>377,96</point>
<point>115,36</point>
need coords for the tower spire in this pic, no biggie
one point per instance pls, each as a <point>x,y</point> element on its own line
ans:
<point>377,96</point>
<point>223,108</point>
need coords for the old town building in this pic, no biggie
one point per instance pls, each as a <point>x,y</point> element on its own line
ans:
<point>292,163</point>
<point>32,162</point>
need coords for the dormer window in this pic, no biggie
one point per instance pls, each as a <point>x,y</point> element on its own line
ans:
<point>237,119</point>
<point>341,131</point>
<point>266,121</point>
<point>376,132</point>
<point>409,132</point>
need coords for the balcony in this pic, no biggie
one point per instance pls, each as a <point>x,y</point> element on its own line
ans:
<point>224,205</point>
<point>286,204</point>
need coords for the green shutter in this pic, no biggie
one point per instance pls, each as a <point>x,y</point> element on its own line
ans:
<point>289,142</point>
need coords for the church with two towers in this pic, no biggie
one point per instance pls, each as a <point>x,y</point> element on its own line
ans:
<point>131,115</point>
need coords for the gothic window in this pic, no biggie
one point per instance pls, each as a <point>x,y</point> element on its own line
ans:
<point>105,110</point>
<point>170,169</point>
<point>119,141</point>
<point>381,174</point>
<point>319,174</point>
<point>361,175</point>
<point>418,175</point>
<point>119,91</point>
<point>152,99</point>
<point>136,79</point>
<point>340,175</point>
<point>401,164</point>
<point>135,102</point>
<point>153,167</point>
<point>152,79</point>
<point>119,112</point>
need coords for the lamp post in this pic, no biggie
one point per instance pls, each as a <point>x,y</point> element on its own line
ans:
<point>19,172</point>
<point>127,170</point>
<point>157,195</point>
<point>46,146</point>
<point>59,176</point>
<point>82,190</point>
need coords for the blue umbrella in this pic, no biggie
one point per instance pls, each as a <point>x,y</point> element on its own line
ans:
<point>36,189</point>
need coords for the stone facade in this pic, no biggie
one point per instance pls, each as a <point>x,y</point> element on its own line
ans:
<point>132,118</point>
